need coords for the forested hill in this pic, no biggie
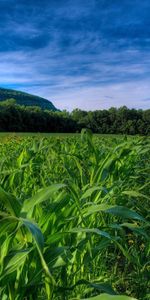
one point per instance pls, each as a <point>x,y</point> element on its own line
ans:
<point>26,99</point>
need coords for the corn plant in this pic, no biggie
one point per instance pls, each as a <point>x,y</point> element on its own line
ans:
<point>74,218</point>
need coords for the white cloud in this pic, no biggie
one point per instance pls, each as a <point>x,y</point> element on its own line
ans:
<point>130,94</point>
<point>109,78</point>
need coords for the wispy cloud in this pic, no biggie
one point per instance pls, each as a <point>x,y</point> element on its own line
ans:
<point>91,56</point>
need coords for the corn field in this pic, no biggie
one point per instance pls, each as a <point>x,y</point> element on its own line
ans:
<point>74,218</point>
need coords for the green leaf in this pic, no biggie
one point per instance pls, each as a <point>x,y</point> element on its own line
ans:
<point>39,241</point>
<point>124,212</point>
<point>91,230</point>
<point>107,297</point>
<point>90,191</point>
<point>16,261</point>
<point>120,211</point>
<point>4,250</point>
<point>36,233</point>
<point>135,194</point>
<point>40,197</point>
<point>10,203</point>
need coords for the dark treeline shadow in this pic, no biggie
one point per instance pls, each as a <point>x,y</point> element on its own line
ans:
<point>17,118</point>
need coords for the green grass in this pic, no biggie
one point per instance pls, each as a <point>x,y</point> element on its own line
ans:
<point>4,135</point>
<point>74,217</point>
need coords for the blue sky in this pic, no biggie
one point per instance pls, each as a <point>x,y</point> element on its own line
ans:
<point>90,54</point>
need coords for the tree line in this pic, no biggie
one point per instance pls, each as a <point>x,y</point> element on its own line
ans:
<point>18,118</point>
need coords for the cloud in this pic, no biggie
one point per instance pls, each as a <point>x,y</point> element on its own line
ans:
<point>146,99</point>
<point>90,98</point>
<point>89,56</point>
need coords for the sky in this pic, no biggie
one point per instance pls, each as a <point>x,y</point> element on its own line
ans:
<point>87,54</point>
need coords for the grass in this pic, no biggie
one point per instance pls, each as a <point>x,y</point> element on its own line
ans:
<point>74,217</point>
<point>35,134</point>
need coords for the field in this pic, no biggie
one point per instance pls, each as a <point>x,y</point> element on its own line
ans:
<point>74,217</point>
<point>60,135</point>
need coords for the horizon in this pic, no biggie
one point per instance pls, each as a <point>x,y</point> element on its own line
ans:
<point>90,56</point>
<point>69,111</point>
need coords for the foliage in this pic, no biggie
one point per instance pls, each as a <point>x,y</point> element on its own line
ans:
<point>74,218</point>
<point>122,120</point>
<point>21,118</point>
<point>25,99</point>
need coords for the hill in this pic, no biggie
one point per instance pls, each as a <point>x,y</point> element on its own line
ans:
<point>26,99</point>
